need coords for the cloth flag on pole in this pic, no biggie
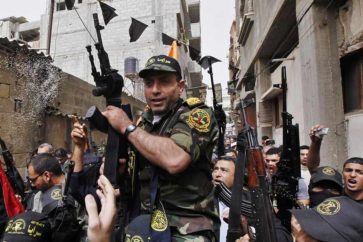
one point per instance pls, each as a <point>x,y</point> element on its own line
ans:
<point>69,4</point>
<point>173,52</point>
<point>194,54</point>
<point>12,205</point>
<point>136,29</point>
<point>166,39</point>
<point>108,12</point>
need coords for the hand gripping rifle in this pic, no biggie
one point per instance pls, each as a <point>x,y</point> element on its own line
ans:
<point>257,183</point>
<point>285,182</point>
<point>12,173</point>
<point>206,62</point>
<point>109,84</point>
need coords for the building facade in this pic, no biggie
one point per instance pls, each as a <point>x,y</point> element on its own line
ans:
<point>320,44</point>
<point>178,19</point>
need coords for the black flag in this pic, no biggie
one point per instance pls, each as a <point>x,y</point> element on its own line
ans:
<point>194,54</point>
<point>108,12</point>
<point>136,29</point>
<point>207,61</point>
<point>69,4</point>
<point>167,40</point>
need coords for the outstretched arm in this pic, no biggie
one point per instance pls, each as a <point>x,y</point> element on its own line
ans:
<point>161,151</point>
<point>79,138</point>
<point>313,160</point>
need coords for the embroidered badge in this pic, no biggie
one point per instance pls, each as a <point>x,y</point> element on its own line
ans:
<point>136,238</point>
<point>199,119</point>
<point>329,207</point>
<point>16,227</point>
<point>328,171</point>
<point>56,194</point>
<point>159,222</point>
<point>192,101</point>
<point>150,61</point>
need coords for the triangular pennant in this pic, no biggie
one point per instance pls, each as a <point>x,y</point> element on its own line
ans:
<point>108,12</point>
<point>208,60</point>
<point>173,52</point>
<point>136,29</point>
<point>167,40</point>
<point>194,54</point>
<point>69,4</point>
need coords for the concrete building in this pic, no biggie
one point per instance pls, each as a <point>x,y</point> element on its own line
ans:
<point>73,30</point>
<point>177,18</point>
<point>320,43</point>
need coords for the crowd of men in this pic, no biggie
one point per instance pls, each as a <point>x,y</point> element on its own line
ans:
<point>173,178</point>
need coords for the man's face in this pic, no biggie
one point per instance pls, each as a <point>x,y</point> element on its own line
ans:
<point>39,181</point>
<point>353,179</point>
<point>61,160</point>
<point>304,156</point>
<point>223,172</point>
<point>271,163</point>
<point>162,90</point>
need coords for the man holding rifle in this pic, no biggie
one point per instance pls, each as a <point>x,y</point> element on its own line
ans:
<point>173,143</point>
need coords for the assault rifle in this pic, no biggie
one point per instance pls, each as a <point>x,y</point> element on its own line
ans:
<point>286,181</point>
<point>257,183</point>
<point>225,195</point>
<point>12,173</point>
<point>109,84</point>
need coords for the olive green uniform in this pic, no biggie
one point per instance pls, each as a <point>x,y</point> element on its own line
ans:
<point>187,197</point>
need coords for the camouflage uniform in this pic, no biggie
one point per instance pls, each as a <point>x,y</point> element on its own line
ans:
<point>187,197</point>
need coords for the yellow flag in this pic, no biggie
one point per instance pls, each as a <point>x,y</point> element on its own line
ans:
<point>173,52</point>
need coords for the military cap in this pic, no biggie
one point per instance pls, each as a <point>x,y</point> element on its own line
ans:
<point>148,227</point>
<point>334,220</point>
<point>326,173</point>
<point>28,227</point>
<point>139,229</point>
<point>161,63</point>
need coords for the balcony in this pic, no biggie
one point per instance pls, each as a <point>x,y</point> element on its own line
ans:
<point>246,26</point>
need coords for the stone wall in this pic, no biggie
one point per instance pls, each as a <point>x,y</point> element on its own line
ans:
<point>39,85</point>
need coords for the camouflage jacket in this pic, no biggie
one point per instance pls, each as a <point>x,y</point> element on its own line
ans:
<point>187,197</point>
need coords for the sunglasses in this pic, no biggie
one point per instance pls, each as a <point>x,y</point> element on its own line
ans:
<point>34,179</point>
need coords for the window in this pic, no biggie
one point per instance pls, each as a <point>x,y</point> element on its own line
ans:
<point>194,13</point>
<point>352,81</point>
<point>61,6</point>
<point>79,1</point>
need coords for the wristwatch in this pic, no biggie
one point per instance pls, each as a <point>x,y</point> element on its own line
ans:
<point>131,128</point>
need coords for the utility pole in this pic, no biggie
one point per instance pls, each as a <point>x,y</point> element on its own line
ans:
<point>50,25</point>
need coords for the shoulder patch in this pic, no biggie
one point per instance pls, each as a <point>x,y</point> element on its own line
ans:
<point>199,119</point>
<point>56,194</point>
<point>159,222</point>
<point>193,102</point>
<point>329,207</point>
